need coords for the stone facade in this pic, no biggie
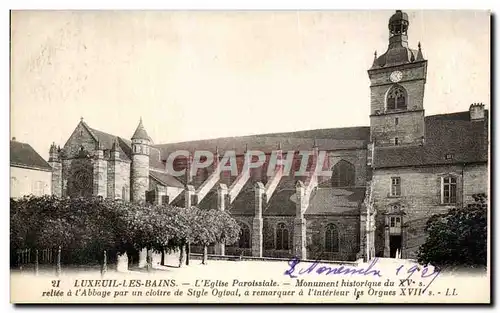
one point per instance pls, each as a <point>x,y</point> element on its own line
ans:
<point>387,179</point>
<point>421,197</point>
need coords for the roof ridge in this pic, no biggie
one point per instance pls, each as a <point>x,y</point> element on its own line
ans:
<point>90,130</point>
<point>273,135</point>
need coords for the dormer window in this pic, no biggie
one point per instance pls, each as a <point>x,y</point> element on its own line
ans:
<point>396,98</point>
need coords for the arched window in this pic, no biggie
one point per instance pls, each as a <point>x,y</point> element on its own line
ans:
<point>343,174</point>
<point>281,237</point>
<point>244,241</point>
<point>331,238</point>
<point>396,98</point>
<point>125,193</point>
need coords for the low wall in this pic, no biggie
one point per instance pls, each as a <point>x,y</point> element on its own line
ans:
<point>197,256</point>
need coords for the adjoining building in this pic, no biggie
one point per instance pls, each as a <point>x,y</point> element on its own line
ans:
<point>30,174</point>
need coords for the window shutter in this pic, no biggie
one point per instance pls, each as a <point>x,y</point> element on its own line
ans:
<point>439,188</point>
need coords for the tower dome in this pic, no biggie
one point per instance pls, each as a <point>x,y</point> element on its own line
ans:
<point>398,51</point>
<point>398,23</point>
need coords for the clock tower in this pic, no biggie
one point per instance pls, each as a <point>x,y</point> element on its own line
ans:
<point>397,80</point>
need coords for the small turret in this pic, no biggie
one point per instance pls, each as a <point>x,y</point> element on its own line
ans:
<point>54,153</point>
<point>115,149</point>
<point>56,164</point>
<point>140,163</point>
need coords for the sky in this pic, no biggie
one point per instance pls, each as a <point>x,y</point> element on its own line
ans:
<point>197,75</point>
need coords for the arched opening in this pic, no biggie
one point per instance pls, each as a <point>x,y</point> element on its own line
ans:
<point>343,174</point>
<point>244,241</point>
<point>125,193</point>
<point>331,238</point>
<point>396,98</point>
<point>281,237</point>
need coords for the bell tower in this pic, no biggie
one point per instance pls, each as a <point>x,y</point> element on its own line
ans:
<point>397,80</point>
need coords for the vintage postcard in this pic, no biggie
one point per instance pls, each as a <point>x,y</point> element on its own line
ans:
<point>250,157</point>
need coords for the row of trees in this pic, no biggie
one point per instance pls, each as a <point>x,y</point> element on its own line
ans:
<point>88,226</point>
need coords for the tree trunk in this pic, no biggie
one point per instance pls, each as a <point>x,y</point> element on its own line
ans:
<point>143,255</point>
<point>36,262</point>
<point>122,262</point>
<point>104,267</point>
<point>188,252</point>
<point>205,255</point>
<point>182,255</point>
<point>162,262</point>
<point>58,262</point>
<point>149,260</point>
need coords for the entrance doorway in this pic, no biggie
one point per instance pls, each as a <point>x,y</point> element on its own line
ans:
<point>395,245</point>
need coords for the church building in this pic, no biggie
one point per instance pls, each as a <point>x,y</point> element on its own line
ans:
<point>387,178</point>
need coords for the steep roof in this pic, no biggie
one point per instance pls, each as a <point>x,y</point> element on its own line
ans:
<point>336,201</point>
<point>23,155</point>
<point>166,179</point>
<point>107,141</point>
<point>326,139</point>
<point>140,132</point>
<point>451,135</point>
<point>324,201</point>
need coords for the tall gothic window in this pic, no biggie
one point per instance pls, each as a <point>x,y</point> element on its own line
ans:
<point>244,241</point>
<point>331,238</point>
<point>397,98</point>
<point>343,174</point>
<point>125,193</point>
<point>281,237</point>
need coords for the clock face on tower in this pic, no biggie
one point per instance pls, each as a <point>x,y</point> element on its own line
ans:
<point>396,76</point>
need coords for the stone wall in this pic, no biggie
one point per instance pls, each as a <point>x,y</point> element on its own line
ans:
<point>348,229</point>
<point>409,128</point>
<point>80,138</point>
<point>421,196</point>
<point>56,178</point>
<point>413,81</point>
<point>140,176</point>
<point>118,178</point>
<point>356,157</point>
<point>269,240</point>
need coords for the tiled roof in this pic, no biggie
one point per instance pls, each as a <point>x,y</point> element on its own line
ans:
<point>23,155</point>
<point>324,201</point>
<point>155,159</point>
<point>326,139</point>
<point>106,141</point>
<point>336,201</point>
<point>166,179</point>
<point>282,203</point>
<point>140,132</point>
<point>452,135</point>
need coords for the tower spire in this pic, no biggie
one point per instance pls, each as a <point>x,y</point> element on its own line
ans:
<point>140,132</point>
<point>420,56</point>
<point>375,59</point>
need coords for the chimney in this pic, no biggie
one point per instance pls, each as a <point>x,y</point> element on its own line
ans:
<point>477,112</point>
